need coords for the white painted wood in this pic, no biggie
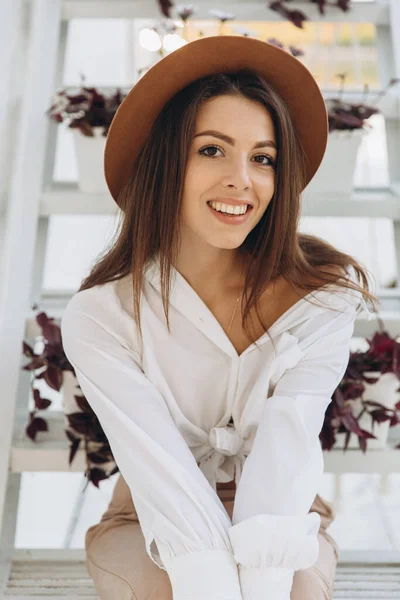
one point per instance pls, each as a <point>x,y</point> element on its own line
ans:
<point>395,26</point>
<point>65,199</point>
<point>361,203</point>
<point>388,105</point>
<point>39,259</point>
<point>89,153</point>
<point>391,42</point>
<point>55,574</point>
<point>48,169</point>
<point>377,12</point>
<point>23,212</point>
<point>363,327</point>
<point>8,527</point>
<point>11,14</point>
<point>50,453</point>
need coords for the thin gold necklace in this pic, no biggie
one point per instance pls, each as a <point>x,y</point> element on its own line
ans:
<point>234,313</point>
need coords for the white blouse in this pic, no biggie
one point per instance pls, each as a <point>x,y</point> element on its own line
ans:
<point>166,408</point>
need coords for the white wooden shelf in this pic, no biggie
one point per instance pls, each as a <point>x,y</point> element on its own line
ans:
<point>364,12</point>
<point>50,453</point>
<point>361,203</point>
<point>66,199</point>
<point>363,328</point>
<point>51,574</point>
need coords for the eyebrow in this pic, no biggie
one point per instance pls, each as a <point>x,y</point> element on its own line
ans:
<point>231,141</point>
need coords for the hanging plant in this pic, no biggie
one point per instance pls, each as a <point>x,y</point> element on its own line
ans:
<point>85,109</point>
<point>51,365</point>
<point>382,356</point>
<point>348,116</point>
<point>84,430</point>
<point>298,17</point>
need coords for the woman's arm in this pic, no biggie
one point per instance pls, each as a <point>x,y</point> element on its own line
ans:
<point>176,506</point>
<point>273,533</point>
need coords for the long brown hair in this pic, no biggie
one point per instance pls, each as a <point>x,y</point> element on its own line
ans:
<point>151,201</point>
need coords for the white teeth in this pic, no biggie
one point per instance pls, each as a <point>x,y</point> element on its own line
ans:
<point>229,209</point>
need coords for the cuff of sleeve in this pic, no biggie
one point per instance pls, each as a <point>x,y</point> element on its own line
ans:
<point>212,574</point>
<point>286,542</point>
<point>258,584</point>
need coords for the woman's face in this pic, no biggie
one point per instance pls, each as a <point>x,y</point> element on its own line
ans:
<point>231,162</point>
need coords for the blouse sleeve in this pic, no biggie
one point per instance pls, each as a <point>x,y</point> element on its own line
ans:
<point>273,533</point>
<point>176,506</point>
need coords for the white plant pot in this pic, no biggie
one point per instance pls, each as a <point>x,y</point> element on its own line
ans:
<point>90,161</point>
<point>383,391</point>
<point>336,172</point>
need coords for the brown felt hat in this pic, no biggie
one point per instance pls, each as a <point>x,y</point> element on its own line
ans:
<point>207,56</point>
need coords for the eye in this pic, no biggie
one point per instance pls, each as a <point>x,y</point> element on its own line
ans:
<point>271,162</point>
<point>202,151</point>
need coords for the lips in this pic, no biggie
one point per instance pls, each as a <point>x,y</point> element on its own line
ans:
<point>248,207</point>
<point>229,218</point>
<point>232,201</point>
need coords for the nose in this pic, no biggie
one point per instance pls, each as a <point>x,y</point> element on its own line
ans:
<point>237,175</point>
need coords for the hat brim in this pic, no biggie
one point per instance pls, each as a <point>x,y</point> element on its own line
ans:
<point>207,56</point>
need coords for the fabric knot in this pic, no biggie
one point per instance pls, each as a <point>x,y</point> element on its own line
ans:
<point>225,440</point>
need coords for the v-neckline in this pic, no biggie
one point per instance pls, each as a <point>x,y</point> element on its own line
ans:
<point>271,330</point>
<point>203,318</point>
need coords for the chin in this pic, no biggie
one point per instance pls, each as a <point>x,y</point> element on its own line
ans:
<point>233,245</point>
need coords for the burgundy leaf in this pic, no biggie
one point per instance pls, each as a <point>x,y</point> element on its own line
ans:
<point>343,4</point>
<point>363,444</point>
<point>27,350</point>
<point>37,362</point>
<point>347,440</point>
<point>71,436</point>
<point>321,5</point>
<point>373,403</point>
<point>99,457</point>
<point>165,6</point>
<point>83,404</point>
<point>379,416</point>
<point>51,331</point>
<point>74,446</point>
<point>296,51</point>
<point>96,475</point>
<point>80,422</point>
<point>37,424</point>
<point>276,43</point>
<point>40,403</point>
<point>54,378</point>
<point>367,435</point>
<point>294,16</point>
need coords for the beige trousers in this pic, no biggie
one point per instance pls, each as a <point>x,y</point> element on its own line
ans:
<point>122,570</point>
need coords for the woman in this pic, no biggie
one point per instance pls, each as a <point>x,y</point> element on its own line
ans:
<point>195,339</point>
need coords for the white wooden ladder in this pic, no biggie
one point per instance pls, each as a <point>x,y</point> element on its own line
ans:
<point>39,28</point>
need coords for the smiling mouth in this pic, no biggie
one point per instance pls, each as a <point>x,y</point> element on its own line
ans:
<point>231,214</point>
